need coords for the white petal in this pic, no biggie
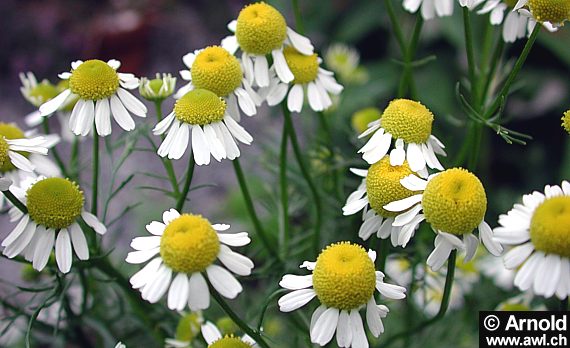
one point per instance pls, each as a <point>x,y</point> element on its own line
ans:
<point>52,105</point>
<point>103,117</point>
<point>234,239</point>
<point>295,282</point>
<point>238,131</point>
<point>199,294</point>
<point>295,99</point>
<point>281,67</point>
<point>471,244</point>
<point>131,103</point>
<point>325,327</point>
<point>343,331</point>
<point>63,251</point>
<point>141,256</point>
<point>79,242</point>
<point>301,43</point>
<point>359,339</point>
<point>180,142</point>
<point>121,115</point>
<point>200,146</point>
<point>296,299</point>
<point>146,274</point>
<point>261,71</point>
<point>178,292</point>
<point>403,204</point>
<point>235,262</point>
<point>486,235</point>
<point>210,332</point>
<point>223,281</point>
<point>415,157</point>
<point>43,249</point>
<point>92,221</point>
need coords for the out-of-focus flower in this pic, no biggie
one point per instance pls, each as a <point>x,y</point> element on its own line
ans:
<point>430,8</point>
<point>343,279</point>
<point>494,268</point>
<point>539,229</point>
<point>157,89</point>
<point>566,121</point>
<point>261,30</point>
<point>363,117</point>
<point>102,92</point>
<point>187,330</point>
<point>344,61</point>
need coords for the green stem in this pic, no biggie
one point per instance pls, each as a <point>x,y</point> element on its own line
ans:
<point>497,53</point>
<point>307,177</point>
<point>15,201</point>
<point>298,18</point>
<point>74,160</point>
<point>256,335</point>
<point>95,178</point>
<point>470,56</point>
<point>407,80</point>
<point>513,74</point>
<point>395,26</point>
<point>167,164</point>
<point>53,150</point>
<point>251,210</point>
<point>336,173</point>
<point>383,251</point>
<point>186,188</point>
<point>284,234</point>
<point>442,309</point>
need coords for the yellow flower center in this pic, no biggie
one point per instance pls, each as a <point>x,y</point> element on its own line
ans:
<point>94,80</point>
<point>189,244</point>
<point>43,92</point>
<point>454,201</point>
<point>260,29</point>
<point>229,342</point>
<point>8,131</point>
<point>566,121</point>
<point>216,70</point>
<point>362,118</point>
<point>54,202</point>
<point>344,276</point>
<point>407,120</point>
<point>553,11</point>
<point>383,185</point>
<point>200,106</point>
<point>304,68</point>
<point>188,327</point>
<point>550,226</point>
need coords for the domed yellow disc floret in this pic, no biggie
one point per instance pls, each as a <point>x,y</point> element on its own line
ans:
<point>188,327</point>
<point>344,276</point>
<point>54,202</point>
<point>553,11</point>
<point>94,80</point>
<point>8,131</point>
<point>363,117</point>
<point>43,92</point>
<point>550,226</point>
<point>200,107</point>
<point>566,121</point>
<point>230,342</point>
<point>216,70</point>
<point>454,201</point>
<point>304,68</point>
<point>383,185</point>
<point>407,120</point>
<point>260,29</point>
<point>189,244</point>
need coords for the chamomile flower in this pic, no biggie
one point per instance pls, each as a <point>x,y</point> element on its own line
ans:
<point>36,93</point>
<point>539,230</point>
<point>157,89</point>
<point>409,123</point>
<point>261,30</point>
<point>213,336</point>
<point>515,24</point>
<point>454,203</point>
<point>214,132</point>
<point>186,247</point>
<point>215,69</point>
<point>187,330</point>
<point>552,12</point>
<point>343,279</point>
<point>55,206</point>
<point>566,121</point>
<point>380,186</point>
<point>309,78</point>
<point>430,8</point>
<point>102,92</point>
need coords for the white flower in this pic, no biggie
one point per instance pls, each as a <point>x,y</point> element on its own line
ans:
<point>159,88</point>
<point>55,207</point>
<point>343,279</point>
<point>213,335</point>
<point>309,79</point>
<point>204,116</point>
<point>186,247</point>
<point>454,203</point>
<point>102,92</point>
<point>539,229</point>
<point>409,123</point>
<point>15,146</point>
<point>217,70</point>
<point>430,8</point>
<point>261,30</point>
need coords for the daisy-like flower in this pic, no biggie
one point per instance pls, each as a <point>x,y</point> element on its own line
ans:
<point>55,206</point>
<point>214,131</point>
<point>380,186</point>
<point>343,279</point>
<point>213,336</point>
<point>102,92</point>
<point>309,78</point>
<point>261,30</point>
<point>551,12</point>
<point>566,121</point>
<point>187,330</point>
<point>539,229</point>
<point>454,203</point>
<point>36,93</point>
<point>186,246</point>
<point>215,69</point>
<point>430,8</point>
<point>157,89</point>
<point>409,123</point>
